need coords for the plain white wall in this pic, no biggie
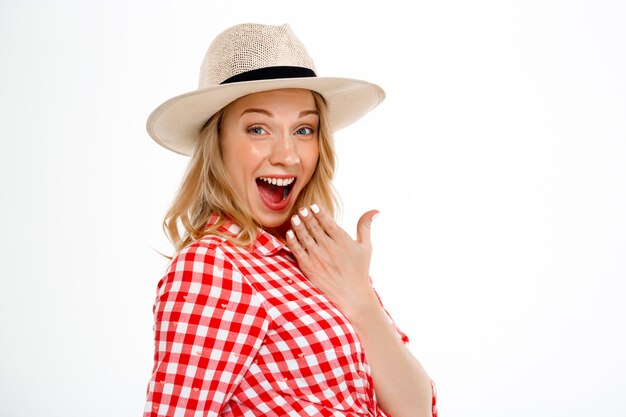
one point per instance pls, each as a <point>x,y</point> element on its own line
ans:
<point>498,162</point>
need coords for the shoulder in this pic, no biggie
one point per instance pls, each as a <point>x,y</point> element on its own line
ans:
<point>208,250</point>
<point>209,260</point>
<point>202,284</point>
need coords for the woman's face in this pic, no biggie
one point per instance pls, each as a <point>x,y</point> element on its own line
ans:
<point>269,144</point>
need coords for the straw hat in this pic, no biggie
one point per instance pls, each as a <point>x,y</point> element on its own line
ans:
<point>250,58</point>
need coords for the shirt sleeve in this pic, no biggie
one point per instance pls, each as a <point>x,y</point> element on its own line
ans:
<point>209,325</point>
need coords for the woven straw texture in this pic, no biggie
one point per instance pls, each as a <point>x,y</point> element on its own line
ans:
<point>248,47</point>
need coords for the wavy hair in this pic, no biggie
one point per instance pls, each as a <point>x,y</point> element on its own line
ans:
<point>206,188</point>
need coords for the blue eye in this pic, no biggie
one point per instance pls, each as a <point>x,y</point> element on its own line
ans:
<point>256,130</point>
<point>304,131</point>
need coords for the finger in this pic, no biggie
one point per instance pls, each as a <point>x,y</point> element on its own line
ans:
<point>296,248</point>
<point>302,233</point>
<point>314,227</point>
<point>364,227</point>
<point>331,228</point>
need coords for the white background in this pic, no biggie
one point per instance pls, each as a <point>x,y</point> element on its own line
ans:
<point>498,162</point>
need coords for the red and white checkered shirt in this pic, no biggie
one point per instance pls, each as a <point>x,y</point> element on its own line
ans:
<point>242,332</point>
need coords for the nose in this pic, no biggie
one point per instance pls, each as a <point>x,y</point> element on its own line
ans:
<point>284,151</point>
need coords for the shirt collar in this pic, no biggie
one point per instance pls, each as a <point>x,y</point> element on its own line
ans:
<point>265,244</point>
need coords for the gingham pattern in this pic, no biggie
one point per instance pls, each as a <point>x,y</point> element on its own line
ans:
<point>241,332</point>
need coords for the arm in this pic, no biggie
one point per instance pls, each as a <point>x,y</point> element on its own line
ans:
<point>339,267</point>
<point>402,386</point>
<point>208,327</point>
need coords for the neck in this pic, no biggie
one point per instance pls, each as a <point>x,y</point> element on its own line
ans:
<point>279,232</point>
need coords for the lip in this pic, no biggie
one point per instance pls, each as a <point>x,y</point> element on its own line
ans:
<point>282,204</point>
<point>277,176</point>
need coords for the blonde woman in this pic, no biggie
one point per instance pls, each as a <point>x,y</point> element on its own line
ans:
<point>267,307</point>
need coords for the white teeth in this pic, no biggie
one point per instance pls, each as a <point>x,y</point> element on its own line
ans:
<point>278,181</point>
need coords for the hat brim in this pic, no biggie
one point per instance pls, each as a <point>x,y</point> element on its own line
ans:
<point>176,123</point>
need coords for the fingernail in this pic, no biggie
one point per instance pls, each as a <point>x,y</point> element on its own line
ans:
<point>374,216</point>
<point>290,234</point>
<point>315,209</point>
<point>304,212</point>
<point>296,220</point>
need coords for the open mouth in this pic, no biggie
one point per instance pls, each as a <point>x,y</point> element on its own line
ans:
<point>275,192</point>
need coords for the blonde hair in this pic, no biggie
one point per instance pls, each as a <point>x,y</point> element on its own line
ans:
<point>206,188</point>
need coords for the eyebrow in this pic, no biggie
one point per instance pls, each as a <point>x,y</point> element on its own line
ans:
<point>269,114</point>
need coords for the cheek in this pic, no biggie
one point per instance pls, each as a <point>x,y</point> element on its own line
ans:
<point>227,145</point>
<point>309,155</point>
<point>309,158</point>
<point>241,158</point>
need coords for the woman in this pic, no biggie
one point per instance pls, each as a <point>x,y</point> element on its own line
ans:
<point>267,308</point>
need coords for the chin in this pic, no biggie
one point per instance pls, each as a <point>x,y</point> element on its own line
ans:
<point>273,222</point>
<point>271,219</point>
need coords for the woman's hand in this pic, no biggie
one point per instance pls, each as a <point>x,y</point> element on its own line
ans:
<point>339,266</point>
<point>334,262</point>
